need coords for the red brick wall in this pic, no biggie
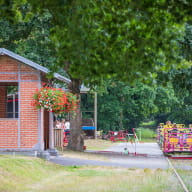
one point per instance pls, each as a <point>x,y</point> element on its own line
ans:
<point>8,133</point>
<point>26,68</point>
<point>3,97</point>
<point>13,77</point>
<point>8,64</point>
<point>27,124</point>
<point>28,115</point>
<point>29,77</point>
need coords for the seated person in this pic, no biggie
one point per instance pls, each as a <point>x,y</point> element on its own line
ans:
<point>58,124</point>
<point>67,126</point>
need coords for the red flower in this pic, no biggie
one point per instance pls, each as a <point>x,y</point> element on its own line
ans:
<point>55,100</point>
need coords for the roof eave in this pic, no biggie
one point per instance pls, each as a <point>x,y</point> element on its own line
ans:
<point>17,57</point>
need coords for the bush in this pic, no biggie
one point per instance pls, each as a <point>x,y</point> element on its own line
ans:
<point>148,124</point>
<point>146,133</point>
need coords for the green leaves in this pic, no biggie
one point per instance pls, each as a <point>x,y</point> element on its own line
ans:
<point>128,40</point>
<point>97,36</point>
<point>107,39</point>
<point>125,106</point>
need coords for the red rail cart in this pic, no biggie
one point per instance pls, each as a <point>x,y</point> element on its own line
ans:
<point>118,135</point>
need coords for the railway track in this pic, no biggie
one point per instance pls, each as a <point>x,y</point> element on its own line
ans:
<point>178,176</point>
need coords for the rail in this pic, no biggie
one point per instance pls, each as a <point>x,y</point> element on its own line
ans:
<point>178,176</point>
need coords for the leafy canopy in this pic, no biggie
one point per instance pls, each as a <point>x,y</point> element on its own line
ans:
<point>125,39</point>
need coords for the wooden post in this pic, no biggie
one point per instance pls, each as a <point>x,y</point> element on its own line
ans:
<point>51,137</point>
<point>95,113</point>
<point>42,129</point>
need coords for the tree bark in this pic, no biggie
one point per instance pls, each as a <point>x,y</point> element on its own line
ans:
<point>76,142</point>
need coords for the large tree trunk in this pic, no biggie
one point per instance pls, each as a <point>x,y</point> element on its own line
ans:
<point>76,142</point>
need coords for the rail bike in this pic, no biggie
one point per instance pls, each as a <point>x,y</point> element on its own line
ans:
<point>122,135</point>
<point>117,135</point>
<point>175,139</point>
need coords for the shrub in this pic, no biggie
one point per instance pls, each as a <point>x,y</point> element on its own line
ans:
<point>146,133</point>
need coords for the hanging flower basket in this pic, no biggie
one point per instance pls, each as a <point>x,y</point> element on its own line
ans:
<point>55,100</point>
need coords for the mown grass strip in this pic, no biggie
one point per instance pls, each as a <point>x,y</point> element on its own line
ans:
<point>27,174</point>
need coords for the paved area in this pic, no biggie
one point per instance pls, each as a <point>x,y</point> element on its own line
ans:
<point>153,158</point>
<point>133,162</point>
<point>148,149</point>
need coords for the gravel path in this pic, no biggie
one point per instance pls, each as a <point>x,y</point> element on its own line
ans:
<point>150,149</point>
<point>153,160</point>
<point>132,162</point>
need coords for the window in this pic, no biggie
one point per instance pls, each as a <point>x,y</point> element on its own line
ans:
<point>9,101</point>
<point>12,104</point>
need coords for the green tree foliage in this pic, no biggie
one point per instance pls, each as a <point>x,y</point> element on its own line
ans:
<point>124,106</point>
<point>181,82</point>
<point>166,102</point>
<point>186,43</point>
<point>93,37</point>
<point>29,38</point>
<point>94,40</point>
<point>136,36</point>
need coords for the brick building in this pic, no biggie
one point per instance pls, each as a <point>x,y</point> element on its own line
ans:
<point>23,128</point>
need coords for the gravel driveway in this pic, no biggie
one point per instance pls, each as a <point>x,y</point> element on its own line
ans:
<point>151,157</point>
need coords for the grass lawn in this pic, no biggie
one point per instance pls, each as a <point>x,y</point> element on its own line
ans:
<point>148,140</point>
<point>82,155</point>
<point>98,144</point>
<point>27,174</point>
<point>91,144</point>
